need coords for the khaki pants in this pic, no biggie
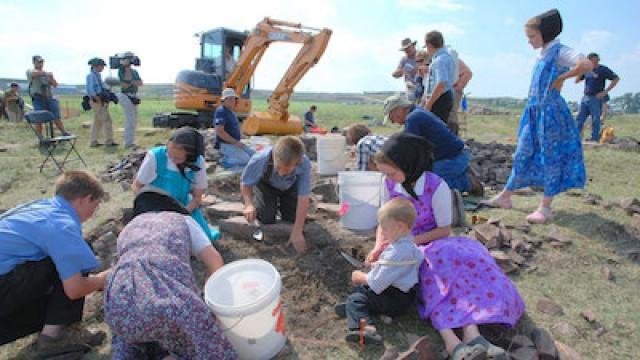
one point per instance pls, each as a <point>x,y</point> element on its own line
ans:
<point>101,119</point>
<point>454,124</point>
<point>14,116</point>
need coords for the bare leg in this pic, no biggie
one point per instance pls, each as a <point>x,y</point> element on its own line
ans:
<point>59,125</point>
<point>503,200</point>
<point>546,202</point>
<point>450,339</point>
<point>470,332</point>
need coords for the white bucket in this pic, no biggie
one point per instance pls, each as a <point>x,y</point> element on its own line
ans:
<point>360,197</point>
<point>259,142</point>
<point>245,297</point>
<point>332,156</point>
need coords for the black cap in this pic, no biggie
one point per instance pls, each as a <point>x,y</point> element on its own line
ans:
<point>36,59</point>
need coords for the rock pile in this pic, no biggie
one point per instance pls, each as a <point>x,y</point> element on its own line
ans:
<point>492,162</point>
<point>125,170</point>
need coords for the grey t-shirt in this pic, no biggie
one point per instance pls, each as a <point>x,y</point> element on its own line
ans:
<point>39,85</point>
<point>409,68</point>
<point>257,166</point>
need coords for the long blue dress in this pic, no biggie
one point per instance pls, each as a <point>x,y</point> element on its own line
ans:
<point>179,187</point>
<point>549,152</point>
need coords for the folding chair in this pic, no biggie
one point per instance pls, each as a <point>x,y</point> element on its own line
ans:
<point>50,143</point>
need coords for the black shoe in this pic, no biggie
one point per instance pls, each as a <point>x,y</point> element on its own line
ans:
<point>341,310</point>
<point>112,144</point>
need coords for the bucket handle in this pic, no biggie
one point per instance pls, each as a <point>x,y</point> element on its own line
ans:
<point>279,308</point>
<point>345,209</point>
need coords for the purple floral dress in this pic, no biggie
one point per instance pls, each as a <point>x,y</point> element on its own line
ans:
<point>460,283</point>
<point>151,297</point>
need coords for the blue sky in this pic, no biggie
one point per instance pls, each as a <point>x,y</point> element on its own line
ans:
<point>361,55</point>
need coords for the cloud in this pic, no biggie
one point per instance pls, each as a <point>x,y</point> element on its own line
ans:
<point>595,40</point>
<point>430,5</point>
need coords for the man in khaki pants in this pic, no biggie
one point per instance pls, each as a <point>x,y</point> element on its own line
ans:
<point>100,106</point>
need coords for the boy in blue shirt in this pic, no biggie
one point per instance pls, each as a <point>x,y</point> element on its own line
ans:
<point>390,285</point>
<point>279,178</point>
<point>235,154</point>
<point>43,265</point>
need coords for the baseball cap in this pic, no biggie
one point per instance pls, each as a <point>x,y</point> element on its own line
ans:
<point>393,102</point>
<point>36,59</point>
<point>228,92</point>
<point>97,61</point>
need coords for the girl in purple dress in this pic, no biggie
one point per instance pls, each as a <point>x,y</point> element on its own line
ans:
<point>151,301</point>
<point>460,285</point>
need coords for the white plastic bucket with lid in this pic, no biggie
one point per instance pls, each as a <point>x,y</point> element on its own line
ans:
<point>259,142</point>
<point>360,195</point>
<point>245,297</point>
<point>332,156</point>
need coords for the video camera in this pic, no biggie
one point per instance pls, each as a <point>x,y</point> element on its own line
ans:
<point>115,62</point>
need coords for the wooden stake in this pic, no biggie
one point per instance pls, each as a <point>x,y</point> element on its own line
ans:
<point>363,323</point>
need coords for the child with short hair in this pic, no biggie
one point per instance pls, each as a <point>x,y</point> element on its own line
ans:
<point>279,178</point>
<point>390,285</point>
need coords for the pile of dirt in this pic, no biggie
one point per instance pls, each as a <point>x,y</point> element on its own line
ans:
<point>492,162</point>
<point>625,143</point>
<point>124,171</point>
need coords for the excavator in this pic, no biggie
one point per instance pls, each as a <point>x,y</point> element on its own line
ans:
<point>200,90</point>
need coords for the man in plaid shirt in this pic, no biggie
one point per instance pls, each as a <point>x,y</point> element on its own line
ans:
<point>366,145</point>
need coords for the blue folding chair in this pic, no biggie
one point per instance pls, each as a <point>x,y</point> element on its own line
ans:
<point>49,143</point>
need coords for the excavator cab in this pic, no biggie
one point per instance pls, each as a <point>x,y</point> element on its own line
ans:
<point>200,89</point>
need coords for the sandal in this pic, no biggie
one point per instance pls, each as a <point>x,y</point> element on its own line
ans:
<point>498,202</point>
<point>540,216</point>
<point>468,352</point>
<point>493,352</point>
<point>371,336</point>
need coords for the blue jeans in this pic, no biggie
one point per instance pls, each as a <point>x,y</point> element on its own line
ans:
<point>454,171</point>
<point>45,103</point>
<point>590,105</point>
<point>235,158</point>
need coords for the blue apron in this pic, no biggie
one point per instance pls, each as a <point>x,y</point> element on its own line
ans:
<point>179,187</point>
<point>549,152</point>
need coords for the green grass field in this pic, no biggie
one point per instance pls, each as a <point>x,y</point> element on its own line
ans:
<point>571,276</point>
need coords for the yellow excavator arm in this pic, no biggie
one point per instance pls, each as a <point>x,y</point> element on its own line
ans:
<point>277,120</point>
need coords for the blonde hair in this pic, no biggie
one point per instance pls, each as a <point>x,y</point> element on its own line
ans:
<point>356,132</point>
<point>398,209</point>
<point>288,150</point>
<point>533,23</point>
<point>77,184</point>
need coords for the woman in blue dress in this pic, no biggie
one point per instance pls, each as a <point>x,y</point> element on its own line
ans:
<point>178,169</point>
<point>549,152</point>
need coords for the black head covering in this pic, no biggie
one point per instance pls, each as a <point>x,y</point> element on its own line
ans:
<point>410,153</point>
<point>550,25</point>
<point>150,201</point>
<point>193,142</point>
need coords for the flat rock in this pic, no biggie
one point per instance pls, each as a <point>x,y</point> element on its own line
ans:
<point>555,236</point>
<point>225,209</point>
<point>208,200</point>
<point>629,203</point>
<point>566,353</point>
<point>524,353</point>
<point>564,329</point>
<point>488,234</point>
<point>544,344</point>
<point>328,209</point>
<point>589,315</point>
<point>549,307</point>
<point>87,124</point>
<point>420,349</point>
<point>519,341</point>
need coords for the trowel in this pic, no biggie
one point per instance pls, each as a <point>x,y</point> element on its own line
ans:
<point>351,260</point>
<point>258,235</point>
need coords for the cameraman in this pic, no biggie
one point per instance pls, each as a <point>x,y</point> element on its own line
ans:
<point>99,104</point>
<point>130,81</point>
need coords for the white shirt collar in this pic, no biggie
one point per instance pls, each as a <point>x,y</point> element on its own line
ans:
<point>418,188</point>
<point>545,49</point>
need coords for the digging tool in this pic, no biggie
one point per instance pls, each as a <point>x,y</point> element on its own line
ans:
<point>258,235</point>
<point>351,260</point>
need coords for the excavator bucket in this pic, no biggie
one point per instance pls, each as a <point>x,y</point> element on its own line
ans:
<point>263,123</point>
